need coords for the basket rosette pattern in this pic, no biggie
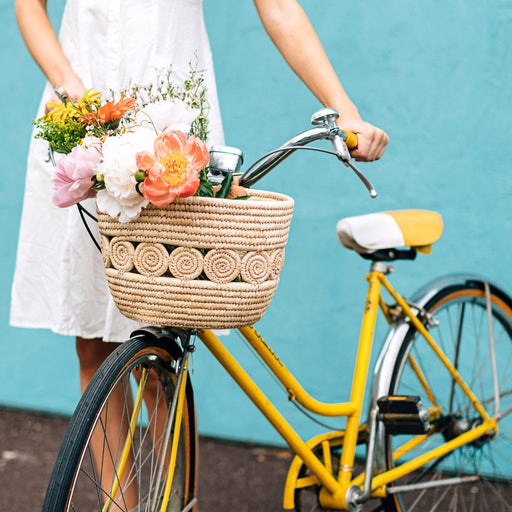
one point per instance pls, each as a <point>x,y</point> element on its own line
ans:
<point>177,251</point>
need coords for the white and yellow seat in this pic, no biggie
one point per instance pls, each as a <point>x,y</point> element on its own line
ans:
<point>367,234</point>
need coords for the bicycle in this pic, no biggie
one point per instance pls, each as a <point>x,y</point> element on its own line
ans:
<point>436,428</point>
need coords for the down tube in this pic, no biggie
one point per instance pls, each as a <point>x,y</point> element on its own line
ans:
<point>269,411</point>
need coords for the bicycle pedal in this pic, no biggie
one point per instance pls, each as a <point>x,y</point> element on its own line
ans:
<point>403,414</point>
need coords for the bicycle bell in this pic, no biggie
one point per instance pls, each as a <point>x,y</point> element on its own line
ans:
<point>324,116</point>
<point>224,159</point>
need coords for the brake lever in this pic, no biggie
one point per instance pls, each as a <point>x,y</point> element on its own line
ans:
<point>367,183</point>
<point>343,154</point>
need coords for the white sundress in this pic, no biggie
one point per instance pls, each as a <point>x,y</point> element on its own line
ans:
<point>59,282</point>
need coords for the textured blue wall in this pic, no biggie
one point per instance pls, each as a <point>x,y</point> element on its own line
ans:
<point>436,77</point>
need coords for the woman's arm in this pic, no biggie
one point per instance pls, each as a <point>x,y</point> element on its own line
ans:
<point>291,31</point>
<point>41,41</point>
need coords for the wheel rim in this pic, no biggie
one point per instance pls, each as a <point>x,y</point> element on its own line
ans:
<point>462,334</point>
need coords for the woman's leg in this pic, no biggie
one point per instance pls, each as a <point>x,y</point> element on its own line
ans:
<point>91,353</point>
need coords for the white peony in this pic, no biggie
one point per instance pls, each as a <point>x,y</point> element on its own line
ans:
<point>175,115</point>
<point>118,167</point>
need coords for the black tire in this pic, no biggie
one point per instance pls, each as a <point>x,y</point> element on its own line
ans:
<point>460,313</point>
<point>75,483</point>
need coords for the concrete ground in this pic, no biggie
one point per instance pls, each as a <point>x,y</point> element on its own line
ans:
<point>232,477</point>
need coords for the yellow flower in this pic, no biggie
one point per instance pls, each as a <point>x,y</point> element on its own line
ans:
<point>62,112</point>
<point>89,99</point>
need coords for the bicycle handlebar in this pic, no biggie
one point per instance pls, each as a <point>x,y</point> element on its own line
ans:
<point>325,128</point>
<point>264,165</point>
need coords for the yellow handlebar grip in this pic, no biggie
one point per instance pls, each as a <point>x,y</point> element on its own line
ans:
<point>351,140</point>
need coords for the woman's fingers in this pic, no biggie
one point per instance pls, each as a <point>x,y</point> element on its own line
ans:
<point>73,89</point>
<point>371,141</point>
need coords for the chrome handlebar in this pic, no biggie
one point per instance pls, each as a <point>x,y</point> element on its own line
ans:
<point>256,171</point>
<point>325,129</point>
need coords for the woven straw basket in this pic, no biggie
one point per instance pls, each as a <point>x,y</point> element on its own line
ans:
<point>198,262</point>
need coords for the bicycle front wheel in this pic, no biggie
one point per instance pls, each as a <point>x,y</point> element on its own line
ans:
<point>116,452</point>
<point>477,476</point>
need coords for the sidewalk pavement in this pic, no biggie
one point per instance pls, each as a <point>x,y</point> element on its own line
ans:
<point>231,477</point>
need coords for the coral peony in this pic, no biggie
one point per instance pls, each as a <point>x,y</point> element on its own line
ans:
<point>72,179</point>
<point>118,168</point>
<point>173,169</point>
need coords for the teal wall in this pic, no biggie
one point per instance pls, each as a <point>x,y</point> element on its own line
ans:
<point>435,75</point>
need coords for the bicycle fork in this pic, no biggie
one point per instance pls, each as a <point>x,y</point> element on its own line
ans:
<point>174,417</point>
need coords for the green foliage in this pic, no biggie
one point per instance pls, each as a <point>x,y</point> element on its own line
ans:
<point>225,186</point>
<point>205,187</point>
<point>62,137</point>
<point>194,95</point>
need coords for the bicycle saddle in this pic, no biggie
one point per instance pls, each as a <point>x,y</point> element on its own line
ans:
<point>366,234</point>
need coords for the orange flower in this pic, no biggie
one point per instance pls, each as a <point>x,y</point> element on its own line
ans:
<point>173,171</point>
<point>107,113</point>
<point>112,111</point>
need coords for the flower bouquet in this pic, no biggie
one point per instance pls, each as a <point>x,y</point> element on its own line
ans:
<point>177,250</point>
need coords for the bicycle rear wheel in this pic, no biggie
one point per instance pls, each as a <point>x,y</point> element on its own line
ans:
<point>114,455</point>
<point>459,325</point>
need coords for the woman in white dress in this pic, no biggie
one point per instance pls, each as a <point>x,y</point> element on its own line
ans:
<point>103,44</point>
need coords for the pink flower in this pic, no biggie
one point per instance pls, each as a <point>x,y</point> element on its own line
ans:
<point>173,170</point>
<point>72,180</point>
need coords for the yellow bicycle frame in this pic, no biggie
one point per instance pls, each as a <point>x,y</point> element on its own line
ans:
<point>335,487</point>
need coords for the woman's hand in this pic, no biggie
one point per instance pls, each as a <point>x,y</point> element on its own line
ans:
<point>371,141</point>
<point>72,86</point>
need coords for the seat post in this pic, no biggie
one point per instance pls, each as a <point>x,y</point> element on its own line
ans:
<point>380,266</point>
